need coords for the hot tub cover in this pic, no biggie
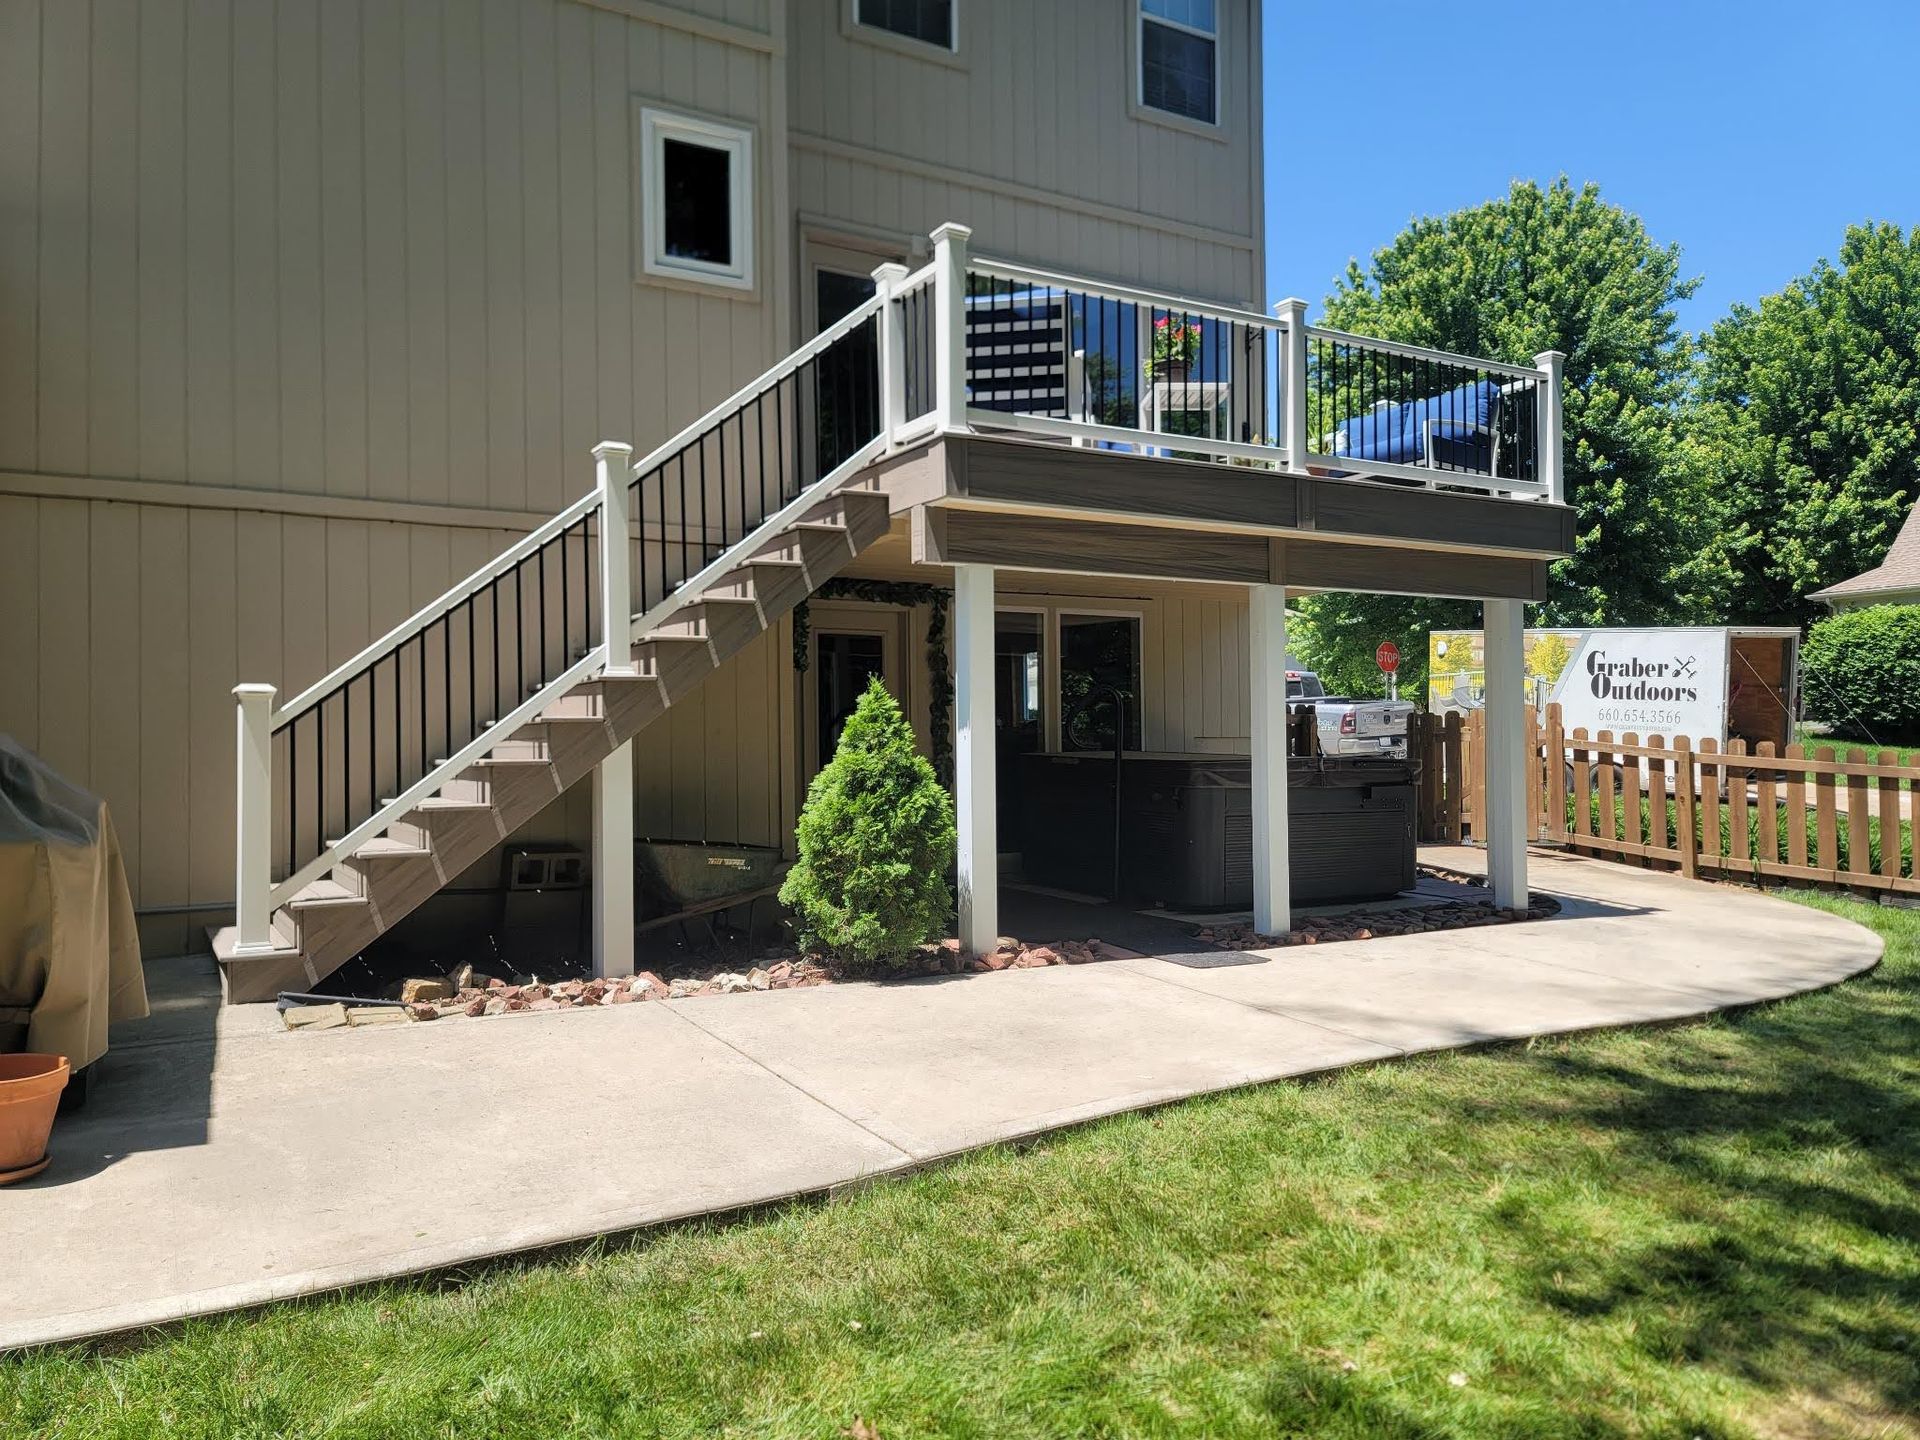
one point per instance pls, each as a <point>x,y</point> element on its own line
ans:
<point>69,953</point>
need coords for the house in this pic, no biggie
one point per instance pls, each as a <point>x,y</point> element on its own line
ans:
<point>1894,581</point>
<point>313,319</point>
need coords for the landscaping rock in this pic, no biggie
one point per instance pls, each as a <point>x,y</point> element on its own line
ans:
<point>363,1015</point>
<point>477,1006</point>
<point>313,1017</point>
<point>423,1011</point>
<point>426,988</point>
<point>682,987</point>
<point>758,979</point>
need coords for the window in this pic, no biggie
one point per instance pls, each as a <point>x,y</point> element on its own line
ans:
<point>1099,658</point>
<point>1179,57</point>
<point>930,21</point>
<point>698,188</point>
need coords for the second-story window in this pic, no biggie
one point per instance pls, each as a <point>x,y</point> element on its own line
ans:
<point>1179,58</point>
<point>698,222</point>
<point>927,20</point>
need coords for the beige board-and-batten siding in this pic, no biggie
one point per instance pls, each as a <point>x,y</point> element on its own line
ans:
<point>1028,134</point>
<point>342,254</point>
<point>127,623</point>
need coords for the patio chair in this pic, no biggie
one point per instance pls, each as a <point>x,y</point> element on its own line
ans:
<point>1458,429</point>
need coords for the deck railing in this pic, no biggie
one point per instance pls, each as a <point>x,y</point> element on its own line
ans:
<point>1043,352</point>
<point>355,751</point>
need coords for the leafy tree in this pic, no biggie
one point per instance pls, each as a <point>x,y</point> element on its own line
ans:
<point>1806,427</point>
<point>1862,673</point>
<point>1547,269</point>
<point>876,842</point>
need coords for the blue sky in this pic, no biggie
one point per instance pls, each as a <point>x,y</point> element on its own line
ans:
<point>1750,131</point>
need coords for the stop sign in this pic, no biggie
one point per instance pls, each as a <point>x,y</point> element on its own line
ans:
<point>1387,657</point>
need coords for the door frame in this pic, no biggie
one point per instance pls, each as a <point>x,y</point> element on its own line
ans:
<point>844,259</point>
<point>850,617</point>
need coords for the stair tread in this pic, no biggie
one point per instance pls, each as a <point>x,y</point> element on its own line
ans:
<point>223,939</point>
<point>443,802</point>
<point>325,892</point>
<point>385,847</point>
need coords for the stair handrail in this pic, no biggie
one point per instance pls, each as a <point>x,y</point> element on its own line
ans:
<point>257,896</point>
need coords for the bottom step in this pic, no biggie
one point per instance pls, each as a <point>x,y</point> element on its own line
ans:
<point>245,979</point>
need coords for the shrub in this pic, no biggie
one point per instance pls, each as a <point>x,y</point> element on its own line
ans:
<point>876,842</point>
<point>1860,673</point>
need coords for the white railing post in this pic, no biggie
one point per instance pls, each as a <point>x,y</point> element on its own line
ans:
<point>1549,464</point>
<point>1293,382</point>
<point>253,832</point>
<point>893,350</point>
<point>613,474</point>
<point>950,325</point>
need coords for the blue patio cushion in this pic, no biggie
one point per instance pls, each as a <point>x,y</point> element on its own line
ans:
<point>1393,434</point>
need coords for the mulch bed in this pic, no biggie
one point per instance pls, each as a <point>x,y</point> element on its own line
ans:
<point>472,995</point>
<point>468,994</point>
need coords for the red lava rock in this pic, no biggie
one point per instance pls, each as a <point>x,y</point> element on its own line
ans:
<point>423,1011</point>
<point>519,1003</point>
<point>950,943</point>
<point>545,1002</point>
<point>592,991</point>
<point>494,982</point>
<point>477,1005</point>
<point>621,997</point>
<point>778,972</point>
<point>512,992</point>
<point>535,992</point>
<point>994,961</point>
<point>1047,955</point>
<point>1305,937</point>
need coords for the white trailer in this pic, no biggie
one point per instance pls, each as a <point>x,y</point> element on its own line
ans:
<point>1717,682</point>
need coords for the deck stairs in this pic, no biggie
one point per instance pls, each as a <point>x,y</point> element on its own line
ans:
<point>731,525</point>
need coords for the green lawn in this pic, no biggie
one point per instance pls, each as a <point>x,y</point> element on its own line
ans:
<point>1841,744</point>
<point>1708,1230</point>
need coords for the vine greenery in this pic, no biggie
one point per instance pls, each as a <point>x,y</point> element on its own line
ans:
<point>940,685</point>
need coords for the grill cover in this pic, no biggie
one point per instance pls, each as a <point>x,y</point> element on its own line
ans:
<point>69,952</point>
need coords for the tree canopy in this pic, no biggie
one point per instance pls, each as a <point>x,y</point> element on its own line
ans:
<point>1806,425</point>
<point>1547,269</point>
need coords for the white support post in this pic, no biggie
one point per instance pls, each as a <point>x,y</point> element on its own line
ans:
<point>1272,880</point>
<point>973,767</point>
<point>1549,468</point>
<point>893,350</point>
<point>1293,382</point>
<point>950,325</point>
<point>253,833</point>
<point>613,863</point>
<point>613,474</point>
<point>1506,761</point>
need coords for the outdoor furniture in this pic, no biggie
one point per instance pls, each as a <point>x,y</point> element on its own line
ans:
<point>1458,429</point>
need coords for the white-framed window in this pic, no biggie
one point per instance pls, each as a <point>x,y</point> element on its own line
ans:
<point>1098,654</point>
<point>697,206</point>
<point>931,22</point>
<point>1179,48</point>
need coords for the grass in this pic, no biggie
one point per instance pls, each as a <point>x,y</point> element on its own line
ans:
<point>1708,1230</point>
<point>1840,744</point>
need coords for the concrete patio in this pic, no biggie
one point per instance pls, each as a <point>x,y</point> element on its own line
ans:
<point>223,1161</point>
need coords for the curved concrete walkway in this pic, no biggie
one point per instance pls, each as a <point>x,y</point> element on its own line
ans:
<point>226,1162</point>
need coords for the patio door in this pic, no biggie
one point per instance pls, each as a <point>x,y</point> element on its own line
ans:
<point>848,645</point>
<point>837,282</point>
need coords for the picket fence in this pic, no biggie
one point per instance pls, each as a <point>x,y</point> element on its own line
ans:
<point>1814,816</point>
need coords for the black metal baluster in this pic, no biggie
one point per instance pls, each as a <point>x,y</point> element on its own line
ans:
<point>471,606</point>
<point>702,443</point>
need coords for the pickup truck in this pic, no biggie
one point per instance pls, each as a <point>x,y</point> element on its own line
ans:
<point>1352,728</point>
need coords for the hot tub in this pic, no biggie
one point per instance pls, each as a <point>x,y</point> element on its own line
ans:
<point>1186,827</point>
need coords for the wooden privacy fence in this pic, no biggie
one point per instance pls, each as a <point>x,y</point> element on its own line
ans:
<point>1821,816</point>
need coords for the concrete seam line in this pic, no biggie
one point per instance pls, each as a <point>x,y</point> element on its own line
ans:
<point>1192,989</point>
<point>793,1084</point>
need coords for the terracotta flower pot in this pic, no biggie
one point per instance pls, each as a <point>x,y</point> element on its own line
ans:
<point>30,1087</point>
